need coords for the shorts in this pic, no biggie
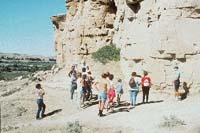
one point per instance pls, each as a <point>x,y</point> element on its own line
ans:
<point>176,85</point>
<point>102,96</point>
<point>111,93</point>
<point>120,91</point>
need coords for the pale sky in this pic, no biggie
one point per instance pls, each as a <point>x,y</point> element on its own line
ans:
<point>25,26</point>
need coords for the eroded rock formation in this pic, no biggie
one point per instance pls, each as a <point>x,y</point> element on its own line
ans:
<point>154,35</point>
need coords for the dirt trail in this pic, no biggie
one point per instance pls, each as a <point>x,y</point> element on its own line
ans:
<point>142,118</point>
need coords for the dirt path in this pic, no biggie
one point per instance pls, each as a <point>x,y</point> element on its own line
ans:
<point>142,118</point>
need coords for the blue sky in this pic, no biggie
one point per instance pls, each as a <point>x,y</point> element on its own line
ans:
<point>25,26</point>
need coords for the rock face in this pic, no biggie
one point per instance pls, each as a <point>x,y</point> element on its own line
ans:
<point>154,35</point>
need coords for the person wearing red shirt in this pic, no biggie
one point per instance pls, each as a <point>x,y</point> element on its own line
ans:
<point>146,85</point>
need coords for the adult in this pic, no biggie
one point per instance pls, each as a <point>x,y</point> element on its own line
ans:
<point>176,81</point>
<point>73,70</point>
<point>79,90</point>
<point>146,85</point>
<point>39,99</point>
<point>73,86</point>
<point>84,89</point>
<point>134,83</point>
<point>102,88</point>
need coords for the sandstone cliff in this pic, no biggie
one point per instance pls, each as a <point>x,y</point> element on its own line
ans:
<point>154,35</point>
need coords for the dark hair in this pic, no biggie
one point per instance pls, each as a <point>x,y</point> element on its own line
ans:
<point>104,75</point>
<point>145,73</point>
<point>176,67</point>
<point>119,80</point>
<point>108,74</point>
<point>111,76</point>
<point>133,74</point>
<point>38,86</point>
<point>83,69</point>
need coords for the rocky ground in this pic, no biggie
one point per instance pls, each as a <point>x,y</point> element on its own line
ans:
<point>163,114</point>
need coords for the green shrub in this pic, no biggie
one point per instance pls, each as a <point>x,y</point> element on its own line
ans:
<point>106,54</point>
<point>171,121</point>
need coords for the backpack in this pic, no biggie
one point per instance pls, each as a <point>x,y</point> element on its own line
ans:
<point>132,83</point>
<point>146,83</point>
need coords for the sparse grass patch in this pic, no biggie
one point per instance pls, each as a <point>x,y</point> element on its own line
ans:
<point>73,127</point>
<point>106,54</point>
<point>171,122</point>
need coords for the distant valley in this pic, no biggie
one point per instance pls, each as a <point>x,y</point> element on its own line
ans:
<point>13,65</point>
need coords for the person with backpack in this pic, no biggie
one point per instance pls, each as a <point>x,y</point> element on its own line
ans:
<point>134,83</point>
<point>146,85</point>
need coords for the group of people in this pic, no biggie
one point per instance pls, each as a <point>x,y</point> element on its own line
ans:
<point>82,82</point>
<point>106,89</point>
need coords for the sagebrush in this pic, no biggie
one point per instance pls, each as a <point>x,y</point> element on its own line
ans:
<point>171,121</point>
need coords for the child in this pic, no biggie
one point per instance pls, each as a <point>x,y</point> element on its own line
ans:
<point>111,93</point>
<point>41,106</point>
<point>120,91</point>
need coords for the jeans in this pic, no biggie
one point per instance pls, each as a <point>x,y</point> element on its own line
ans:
<point>41,108</point>
<point>72,89</point>
<point>133,96</point>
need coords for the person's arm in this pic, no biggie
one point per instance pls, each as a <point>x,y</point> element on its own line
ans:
<point>96,85</point>
<point>150,83</point>
<point>69,74</point>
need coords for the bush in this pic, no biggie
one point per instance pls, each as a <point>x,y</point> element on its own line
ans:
<point>172,121</point>
<point>106,54</point>
<point>73,127</point>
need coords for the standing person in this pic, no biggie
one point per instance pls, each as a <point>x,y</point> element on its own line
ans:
<point>120,91</point>
<point>111,93</point>
<point>102,88</point>
<point>73,70</point>
<point>176,81</point>
<point>84,90</point>
<point>73,86</point>
<point>134,83</point>
<point>79,89</point>
<point>88,88</point>
<point>41,106</point>
<point>146,85</point>
<point>91,78</point>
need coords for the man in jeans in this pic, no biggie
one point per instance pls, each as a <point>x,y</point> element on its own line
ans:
<point>41,106</point>
<point>134,88</point>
